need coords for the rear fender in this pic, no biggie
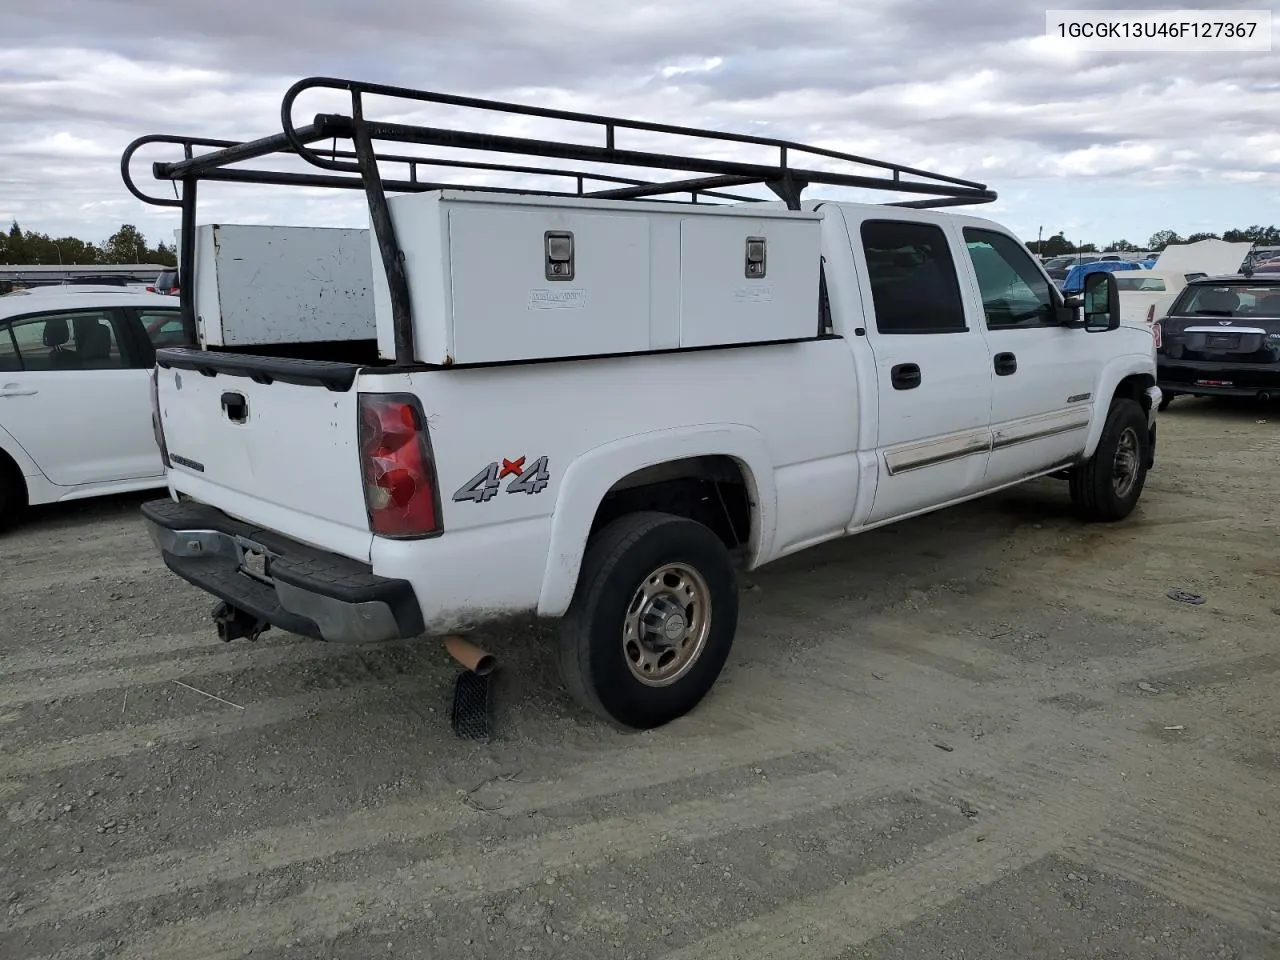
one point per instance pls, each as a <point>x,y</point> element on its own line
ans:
<point>587,480</point>
<point>9,445</point>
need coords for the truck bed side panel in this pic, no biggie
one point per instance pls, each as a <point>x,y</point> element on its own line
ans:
<point>800,399</point>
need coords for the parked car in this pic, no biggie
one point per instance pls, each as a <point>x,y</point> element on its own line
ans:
<point>1147,294</point>
<point>599,407</point>
<point>1057,267</point>
<point>75,408</point>
<point>1073,283</point>
<point>166,283</point>
<point>1221,337</point>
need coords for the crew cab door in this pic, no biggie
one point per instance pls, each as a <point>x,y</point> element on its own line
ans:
<point>74,396</point>
<point>1044,374</point>
<point>933,372</point>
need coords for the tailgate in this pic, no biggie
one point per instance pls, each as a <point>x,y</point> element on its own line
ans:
<point>273,442</point>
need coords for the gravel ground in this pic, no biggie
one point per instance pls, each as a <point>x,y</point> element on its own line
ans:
<point>987,733</point>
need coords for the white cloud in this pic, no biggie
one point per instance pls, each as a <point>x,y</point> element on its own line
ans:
<point>972,90</point>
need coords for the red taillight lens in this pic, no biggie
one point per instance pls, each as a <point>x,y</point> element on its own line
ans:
<point>157,427</point>
<point>399,472</point>
<point>1157,334</point>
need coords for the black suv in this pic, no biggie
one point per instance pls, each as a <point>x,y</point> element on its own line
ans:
<point>1221,338</point>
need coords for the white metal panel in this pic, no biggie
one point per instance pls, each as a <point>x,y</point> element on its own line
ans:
<point>421,227</point>
<point>720,304</point>
<point>270,284</point>
<point>476,270</point>
<point>505,308</point>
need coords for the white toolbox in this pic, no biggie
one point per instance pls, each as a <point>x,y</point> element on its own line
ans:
<point>509,277</point>
<point>258,285</point>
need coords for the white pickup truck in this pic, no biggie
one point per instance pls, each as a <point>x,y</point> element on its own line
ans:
<point>595,407</point>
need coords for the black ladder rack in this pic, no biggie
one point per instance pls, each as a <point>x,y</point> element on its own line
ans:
<point>359,168</point>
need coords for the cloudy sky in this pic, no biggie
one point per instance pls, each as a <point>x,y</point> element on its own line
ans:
<point>1103,146</point>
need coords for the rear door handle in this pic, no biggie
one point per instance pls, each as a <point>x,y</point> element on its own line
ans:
<point>16,390</point>
<point>905,376</point>
<point>1005,363</point>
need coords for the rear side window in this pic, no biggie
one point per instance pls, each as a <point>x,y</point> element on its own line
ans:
<point>913,280</point>
<point>72,341</point>
<point>10,362</point>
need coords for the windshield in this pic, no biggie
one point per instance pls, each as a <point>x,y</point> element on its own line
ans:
<point>1234,300</point>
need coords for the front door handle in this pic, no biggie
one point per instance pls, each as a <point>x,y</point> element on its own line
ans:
<point>905,376</point>
<point>1005,363</point>
<point>16,390</point>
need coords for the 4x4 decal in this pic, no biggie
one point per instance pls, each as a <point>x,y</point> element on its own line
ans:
<point>484,486</point>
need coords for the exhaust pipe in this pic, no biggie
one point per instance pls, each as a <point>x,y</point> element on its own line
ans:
<point>479,662</point>
<point>232,623</point>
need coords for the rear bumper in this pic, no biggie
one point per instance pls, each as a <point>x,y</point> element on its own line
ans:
<point>298,588</point>
<point>1228,379</point>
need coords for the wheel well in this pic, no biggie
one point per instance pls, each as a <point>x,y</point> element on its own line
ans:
<point>1134,387</point>
<point>713,490</point>
<point>9,470</point>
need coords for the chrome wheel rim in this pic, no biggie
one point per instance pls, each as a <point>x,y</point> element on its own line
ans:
<point>666,625</point>
<point>1124,473</point>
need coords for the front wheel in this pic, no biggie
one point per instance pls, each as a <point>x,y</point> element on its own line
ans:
<point>1107,486</point>
<point>652,620</point>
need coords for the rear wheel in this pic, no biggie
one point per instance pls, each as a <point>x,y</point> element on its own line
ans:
<point>652,621</point>
<point>13,493</point>
<point>1106,488</point>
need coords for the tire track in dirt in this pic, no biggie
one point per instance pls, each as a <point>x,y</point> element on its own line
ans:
<point>700,755</point>
<point>119,742</point>
<point>58,665</point>
<point>1208,883</point>
<point>78,683</point>
<point>321,911</point>
<point>1038,809</point>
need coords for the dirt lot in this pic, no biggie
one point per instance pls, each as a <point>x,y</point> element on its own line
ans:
<point>983,734</point>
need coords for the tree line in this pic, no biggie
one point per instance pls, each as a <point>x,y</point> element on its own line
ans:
<point>126,245</point>
<point>1058,245</point>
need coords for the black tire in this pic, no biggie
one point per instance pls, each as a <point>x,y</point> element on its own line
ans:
<point>1165,400</point>
<point>1094,484</point>
<point>594,655</point>
<point>13,493</point>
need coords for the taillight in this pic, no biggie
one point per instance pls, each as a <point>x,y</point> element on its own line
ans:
<point>157,428</point>
<point>400,490</point>
<point>1157,334</point>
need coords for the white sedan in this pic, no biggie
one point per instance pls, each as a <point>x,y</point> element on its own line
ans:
<point>75,400</point>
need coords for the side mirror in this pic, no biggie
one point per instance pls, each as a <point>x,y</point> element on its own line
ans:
<point>1101,307</point>
<point>1097,307</point>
